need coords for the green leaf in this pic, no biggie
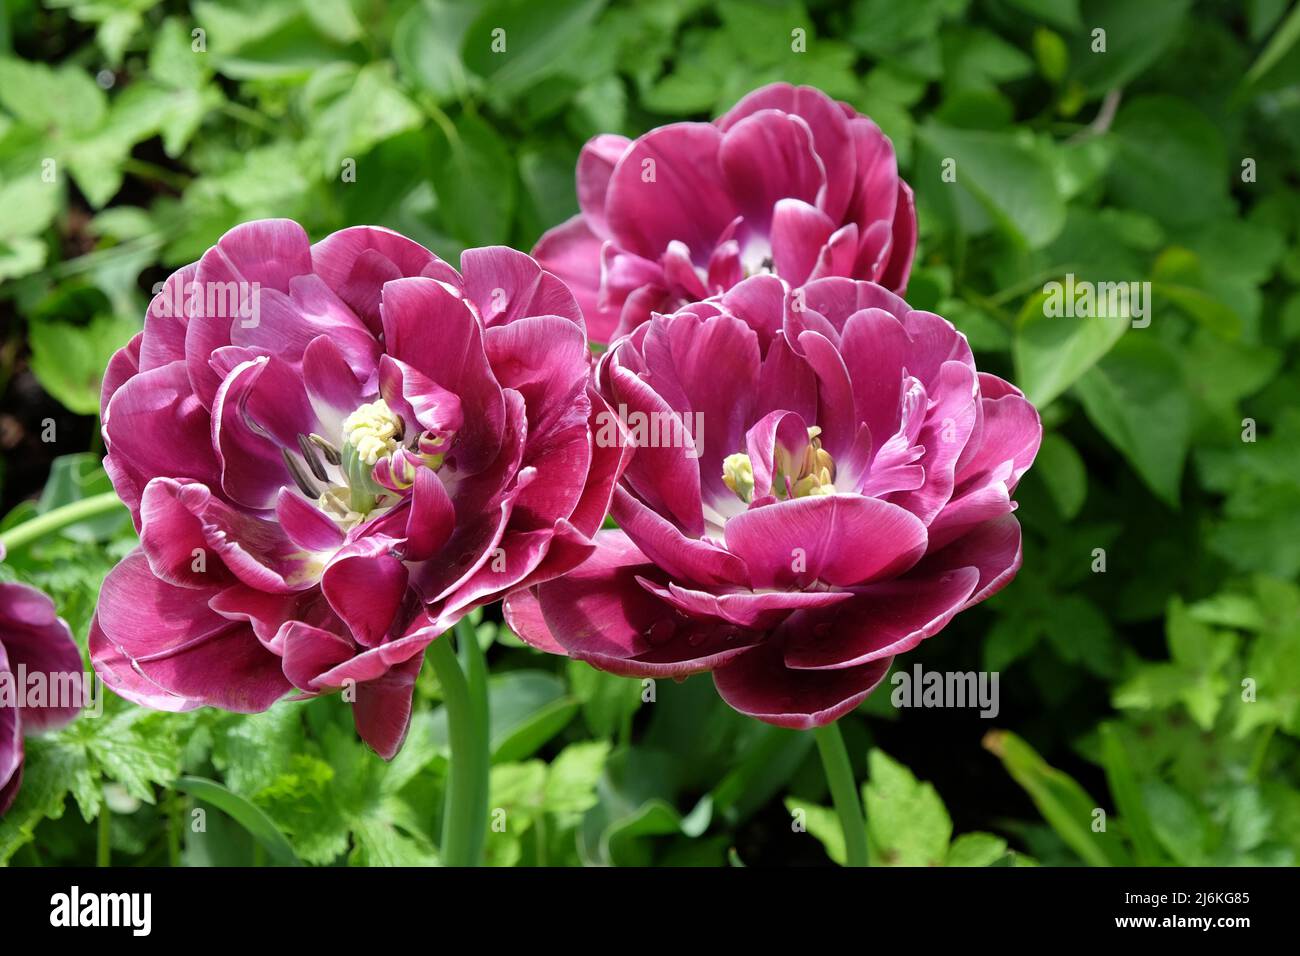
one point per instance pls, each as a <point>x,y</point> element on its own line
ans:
<point>1135,35</point>
<point>528,708</point>
<point>1006,174</point>
<point>1279,44</point>
<point>1059,798</point>
<point>1125,788</point>
<point>249,815</point>
<point>474,177</point>
<point>1137,398</point>
<point>823,824</point>
<point>976,849</point>
<point>426,47</point>
<point>69,360</point>
<point>907,823</point>
<point>1060,468</point>
<point>1171,162</point>
<point>535,38</point>
<point>572,777</point>
<point>1051,352</point>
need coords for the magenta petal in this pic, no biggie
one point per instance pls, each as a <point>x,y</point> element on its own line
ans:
<point>365,585</point>
<point>37,640</point>
<point>596,165</point>
<point>601,614</point>
<point>523,614</point>
<point>766,157</point>
<point>507,285</point>
<point>992,548</point>
<point>171,637</point>
<point>799,232</point>
<point>707,370</point>
<point>357,262</point>
<point>268,252</point>
<point>120,675</point>
<point>663,473</point>
<point>668,185</point>
<point>164,323</point>
<point>761,685</point>
<point>903,248</point>
<point>431,519</point>
<point>432,330</point>
<point>880,621</point>
<point>572,252</point>
<point>332,387</point>
<point>786,431</point>
<point>11,747</point>
<point>830,131</point>
<point>694,560</point>
<point>749,609</point>
<point>382,709</point>
<point>305,524</point>
<point>310,651</point>
<point>836,539</point>
<point>150,406</point>
<point>417,399</point>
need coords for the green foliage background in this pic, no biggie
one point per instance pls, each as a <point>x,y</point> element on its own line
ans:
<point>1164,690</point>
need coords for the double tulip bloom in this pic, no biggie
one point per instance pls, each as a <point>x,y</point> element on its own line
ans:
<point>848,494</point>
<point>331,453</point>
<point>789,182</point>
<point>371,443</point>
<point>40,677</point>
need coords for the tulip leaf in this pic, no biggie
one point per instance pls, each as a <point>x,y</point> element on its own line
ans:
<point>250,816</point>
<point>1060,799</point>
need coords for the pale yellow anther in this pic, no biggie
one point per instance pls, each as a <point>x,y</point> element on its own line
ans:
<point>374,430</point>
<point>738,475</point>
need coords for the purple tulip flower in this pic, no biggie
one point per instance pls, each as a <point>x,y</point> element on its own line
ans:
<point>41,680</point>
<point>789,182</point>
<point>331,453</point>
<point>837,487</point>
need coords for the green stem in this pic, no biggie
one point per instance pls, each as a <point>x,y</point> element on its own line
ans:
<point>103,845</point>
<point>464,695</point>
<point>839,776</point>
<point>24,534</point>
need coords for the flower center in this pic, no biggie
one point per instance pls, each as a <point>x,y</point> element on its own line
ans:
<point>374,430</point>
<point>795,474</point>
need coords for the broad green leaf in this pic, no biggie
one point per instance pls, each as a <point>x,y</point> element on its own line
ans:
<point>976,849</point>
<point>474,177</point>
<point>70,359</point>
<point>1052,351</point>
<point>907,823</point>
<point>1060,468</point>
<point>513,43</point>
<point>1135,34</point>
<point>1137,398</point>
<point>1171,161</point>
<point>1006,174</point>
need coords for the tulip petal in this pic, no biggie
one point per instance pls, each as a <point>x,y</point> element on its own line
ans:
<point>600,614</point>
<point>839,540</point>
<point>761,685</point>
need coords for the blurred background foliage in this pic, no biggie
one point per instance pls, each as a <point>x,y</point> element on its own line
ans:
<point>1149,652</point>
